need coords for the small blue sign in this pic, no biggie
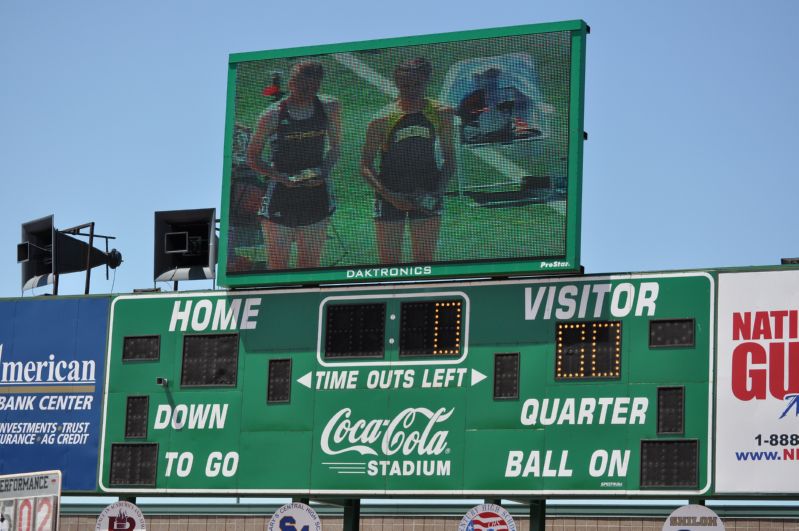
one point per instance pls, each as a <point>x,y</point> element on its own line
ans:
<point>52,354</point>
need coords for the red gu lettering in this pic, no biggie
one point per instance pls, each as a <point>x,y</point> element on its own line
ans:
<point>769,351</point>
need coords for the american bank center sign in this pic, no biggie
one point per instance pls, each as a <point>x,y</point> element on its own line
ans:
<point>51,375</point>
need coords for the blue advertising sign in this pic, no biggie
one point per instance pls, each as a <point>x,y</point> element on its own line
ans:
<point>51,384</point>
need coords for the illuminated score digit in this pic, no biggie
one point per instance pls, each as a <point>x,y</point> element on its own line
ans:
<point>588,350</point>
<point>431,328</point>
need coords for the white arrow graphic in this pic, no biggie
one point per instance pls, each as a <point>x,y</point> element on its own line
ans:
<point>306,380</point>
<point>477,377</point>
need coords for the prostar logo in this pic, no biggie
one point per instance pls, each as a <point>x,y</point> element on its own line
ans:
<point>402,434</point>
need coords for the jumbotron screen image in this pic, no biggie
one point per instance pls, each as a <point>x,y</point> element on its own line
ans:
<point>452,155</point>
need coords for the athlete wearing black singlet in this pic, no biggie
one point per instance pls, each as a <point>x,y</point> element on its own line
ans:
<point>409,183</point>
<point>297,145</point>
<point>408,164</point>
<point>304,136</point>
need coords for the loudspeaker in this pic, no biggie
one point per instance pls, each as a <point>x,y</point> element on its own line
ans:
<point>35,253</point>
<point>46,252</point>
<point>185,245</point>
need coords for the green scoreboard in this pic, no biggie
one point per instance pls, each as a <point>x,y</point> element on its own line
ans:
<point>574,386</point>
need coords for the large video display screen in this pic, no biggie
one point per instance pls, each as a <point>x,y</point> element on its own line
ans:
<point>439,156</point>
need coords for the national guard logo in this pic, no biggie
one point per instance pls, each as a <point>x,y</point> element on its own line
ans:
<point>121,516</point>
<point>487,517</point>
<point>295,517</point>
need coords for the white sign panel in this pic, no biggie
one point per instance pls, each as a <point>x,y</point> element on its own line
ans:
<point>757,419</point>
<point>30,501</point>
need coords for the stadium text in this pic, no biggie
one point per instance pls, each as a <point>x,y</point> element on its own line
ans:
<point>537,463</point>
<point>224,315</point>
<point>571,301</point>
<point>603,410</point>
<point>191,416</point>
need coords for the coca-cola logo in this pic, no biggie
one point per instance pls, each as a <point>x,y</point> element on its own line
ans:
<point>411,431</point>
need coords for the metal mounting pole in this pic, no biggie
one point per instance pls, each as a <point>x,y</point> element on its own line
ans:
<point>352,515</point>
<point>538,515</point>
<point>89,258</point>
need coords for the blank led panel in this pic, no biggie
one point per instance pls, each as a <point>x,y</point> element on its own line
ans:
<point>141,348</point>
<point>210,360</point>
<point>671,410</point>
<point>279,387</point>
<point>355,330</point>
<point>431,328</point>
<point>605,350</point>
<point>506,376</point>
<point>133,465</point>
<point>668,464</point>
<point>136,417</point>
<point>672,333</point>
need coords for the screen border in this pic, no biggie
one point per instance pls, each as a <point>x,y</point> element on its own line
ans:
<point>570,262</point>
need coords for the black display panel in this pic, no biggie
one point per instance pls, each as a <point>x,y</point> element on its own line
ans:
<point>136,417</point>
<point>355,330</point>
<point>669,464</point>
<point>671,410</point>
<point>210,360</point>
<point>671,333</point>
<point>141,348</point>
<point>133,465</point>
<point>506,376</point>
<point>279,385</point>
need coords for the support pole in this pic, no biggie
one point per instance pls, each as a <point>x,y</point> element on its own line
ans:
<point>89,258</point>
<point>538,515</point>
<point>352,515</point>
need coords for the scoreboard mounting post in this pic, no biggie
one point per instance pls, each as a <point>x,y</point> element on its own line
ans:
<point>589,386</point>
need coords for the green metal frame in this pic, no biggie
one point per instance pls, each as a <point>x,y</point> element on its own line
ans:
<point>570,262</point>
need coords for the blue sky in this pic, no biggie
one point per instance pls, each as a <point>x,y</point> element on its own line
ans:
<point>110,111</point>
